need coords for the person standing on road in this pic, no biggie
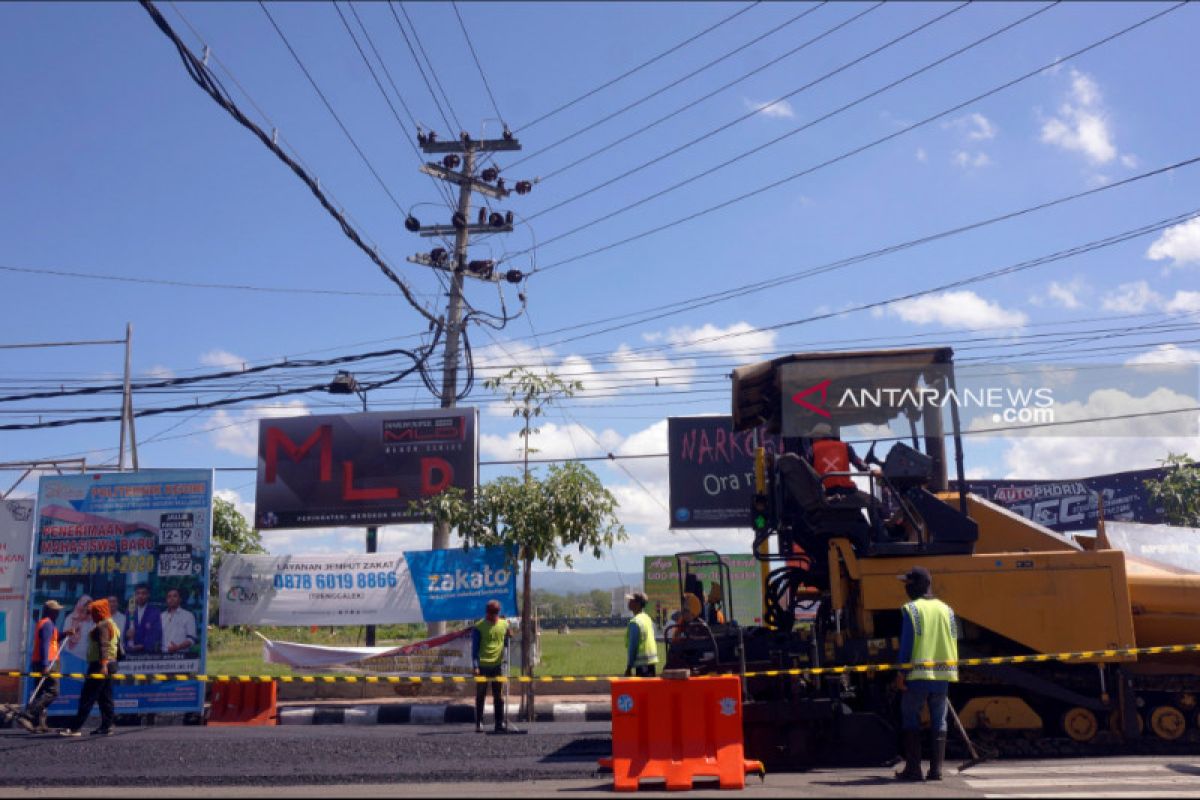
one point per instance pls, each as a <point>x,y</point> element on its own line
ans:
<point>103,647</point>
<point>929,632</point>
<point>44,659</point>
<point>489,639</point>
<point>640,648</point>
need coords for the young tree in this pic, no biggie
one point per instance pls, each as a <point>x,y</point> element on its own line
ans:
<point>1179,490</point>
<point>544,519</point>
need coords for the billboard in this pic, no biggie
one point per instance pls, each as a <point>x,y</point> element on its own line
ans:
<point>373,589</point>
<point>141,539</point>
<point>711,470</point>
<point>1174,547</point>
<point>361,469</point>
<point>1074,505</point>
<point>661,581</point>
<point>16,533</point>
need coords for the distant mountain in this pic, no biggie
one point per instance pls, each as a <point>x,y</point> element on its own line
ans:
<point>578,582</point>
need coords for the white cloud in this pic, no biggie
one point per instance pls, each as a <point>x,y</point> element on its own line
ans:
<point>222,359</point>
<point>1183,302</point>
<point>1179,243</point>
<point>977,127</point>
<point>964,159</point>
<point>159,372</point>
<point>1129,160</point>
<point>922,156</point>
<point>737,339</point>
<point>1131,298</point>
<point>237,431</point>
<point>1064,295</point>
<point>957,309</point>
<point>1167,354</point>
<point>780,109</point>
<point>553,440</point>
<point>1081,124</point>
<point>1096,449</point>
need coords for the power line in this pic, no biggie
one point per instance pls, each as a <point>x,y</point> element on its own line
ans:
<point>429,62</point>
<point>474,55</point>
<point>754,112</point>
<point>241,287</point>
<point>629,106</point>
<point>329,107</point>
<point>420,66</point>
<point>212,86</point>
<point>680,306</point>
<point>638,68</point>
<point>850,153</point>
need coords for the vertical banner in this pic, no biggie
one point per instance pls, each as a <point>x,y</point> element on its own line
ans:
<point>142,540</point>
<point>711,471</point>
<point>16,533</point>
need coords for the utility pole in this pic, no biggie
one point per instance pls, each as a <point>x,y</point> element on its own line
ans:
<point>487,183</point>
<point>127,407</point>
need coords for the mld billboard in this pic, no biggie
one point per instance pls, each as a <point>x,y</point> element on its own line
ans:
<point>361,469</point>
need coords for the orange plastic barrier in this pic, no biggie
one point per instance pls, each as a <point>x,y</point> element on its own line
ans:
<point>236,703</point>
<point>678,730</point>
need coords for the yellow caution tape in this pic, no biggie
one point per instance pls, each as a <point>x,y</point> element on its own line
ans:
<point>1080,655</point>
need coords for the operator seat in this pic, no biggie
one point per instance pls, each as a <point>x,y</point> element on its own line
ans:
<point>826,517</point>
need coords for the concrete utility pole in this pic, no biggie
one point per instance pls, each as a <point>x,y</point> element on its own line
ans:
<point>489,184</point>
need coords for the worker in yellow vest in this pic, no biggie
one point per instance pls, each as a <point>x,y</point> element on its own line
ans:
<point>488,640</point>
<point>929,632</point>
<point>640,648</point>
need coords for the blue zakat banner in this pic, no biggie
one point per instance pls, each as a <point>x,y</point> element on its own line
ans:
<point>457,584</point>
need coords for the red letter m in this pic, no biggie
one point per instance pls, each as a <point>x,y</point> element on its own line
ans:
<point>322,436</point>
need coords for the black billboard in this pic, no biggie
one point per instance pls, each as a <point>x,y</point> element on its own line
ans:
<point>1074,505</point>
<point>361,469</point>
<point>712,471</point>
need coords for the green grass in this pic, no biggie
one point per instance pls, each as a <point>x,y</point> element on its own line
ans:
<point>582,652</point>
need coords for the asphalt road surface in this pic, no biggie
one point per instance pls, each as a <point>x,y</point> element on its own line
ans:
<point>556,759</point>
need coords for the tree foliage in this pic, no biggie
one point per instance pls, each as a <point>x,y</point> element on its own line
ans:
<point>1178,493</point>
<point>231,533</point>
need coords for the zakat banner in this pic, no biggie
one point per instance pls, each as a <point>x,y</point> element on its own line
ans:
<point>16,535</point>
<point>1074,505</point>
<point>141,540</point>
<point>372,589</point>
<point>361,469</point>
<point>711,469</point>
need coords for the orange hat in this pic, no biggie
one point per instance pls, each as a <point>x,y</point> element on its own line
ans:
<point>101,608</point>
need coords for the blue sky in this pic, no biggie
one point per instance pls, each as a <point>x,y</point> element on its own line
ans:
<point>116,164</point>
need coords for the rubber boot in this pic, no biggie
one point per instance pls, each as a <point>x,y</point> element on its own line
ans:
<point>480,697</point>
<point>937,755</point>
<point>499,709</point>
<point>42,719</point>
<point>912,757</point>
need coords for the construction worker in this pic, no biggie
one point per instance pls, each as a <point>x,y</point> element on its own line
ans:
<point>489,639</point>
<point>103,647</point>
<point>641,651</point>
<point>831,455</point>
<point>713,614</point>
<point>929,632</point>
<point>44,660</point>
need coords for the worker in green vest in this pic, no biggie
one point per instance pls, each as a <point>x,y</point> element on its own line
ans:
<point>929,632</point>
<point>489,638</point>
<point>640,648</point>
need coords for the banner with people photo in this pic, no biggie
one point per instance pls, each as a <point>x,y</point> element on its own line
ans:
<point>141,540</point>
<point>371,589</point>
<point>16,533</point>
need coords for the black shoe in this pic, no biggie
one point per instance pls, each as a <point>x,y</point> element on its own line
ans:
<point>103,732</point>
<point>912,757</point>
<point>25,722</point>
<point>937,755</point>
<point>479,727</point>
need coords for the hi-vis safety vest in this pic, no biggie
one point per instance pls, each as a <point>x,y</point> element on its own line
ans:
<point>491,641</point>
<point>647,652</point>
<point>832,455</point>
<point>46,631</point>
<point>935,635</point>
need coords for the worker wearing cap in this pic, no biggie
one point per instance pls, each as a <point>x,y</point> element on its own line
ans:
<point>929,632</point>
<point>43,660</point>
<point>488,639</point>
<point>640,648</point>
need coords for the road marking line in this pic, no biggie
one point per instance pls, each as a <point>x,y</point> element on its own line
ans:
<point>1068,769</point>
<point>996,783</point>
<point>1089,795</point>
